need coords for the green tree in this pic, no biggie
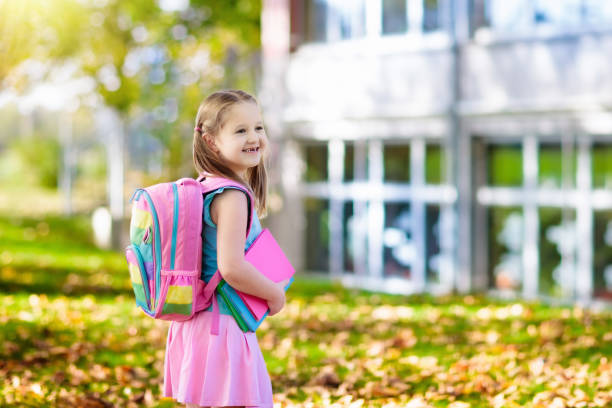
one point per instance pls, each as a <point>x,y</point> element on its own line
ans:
<point>147,62</point>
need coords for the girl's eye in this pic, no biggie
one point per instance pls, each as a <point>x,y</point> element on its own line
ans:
<point>241,131</point>
<point>259,127</point>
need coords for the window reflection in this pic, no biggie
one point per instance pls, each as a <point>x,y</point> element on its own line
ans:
<point>602,259</point>
<point>435,164</point>
<point>355,227</point>
<point>399,248</point>
<point>349,162</point>
<point>602,166</point>
<point>346,19</point>
<point>557,250</point>
<point>316,162</point>
<point>510,16</point>
<point>565,13</point>
<point>394,17</point>
<point>348,232</point>
<point>432,244</point>
<point>355,161</point>
<point>397,163</point>
<point>316,20</point>
<point>431,15</point>
<point>317,234</point>
<point>505,240</point>
<point>505,165</point>
<point>556,168</point>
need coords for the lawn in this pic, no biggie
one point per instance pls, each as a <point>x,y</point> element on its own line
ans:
<point>71,336</point>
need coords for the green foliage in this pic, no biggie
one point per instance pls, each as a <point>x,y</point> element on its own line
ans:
<point>34,160</point>
<point>37,29</point>
<point>140,56</point>
<point>18,34</point>
<point>92,164</point>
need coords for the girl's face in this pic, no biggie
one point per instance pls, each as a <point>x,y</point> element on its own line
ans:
<point>242,139</point>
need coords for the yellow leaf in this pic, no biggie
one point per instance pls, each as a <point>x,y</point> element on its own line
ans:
<point>459,404</point>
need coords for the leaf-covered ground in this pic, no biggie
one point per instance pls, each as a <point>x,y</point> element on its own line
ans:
<point>72,337</point>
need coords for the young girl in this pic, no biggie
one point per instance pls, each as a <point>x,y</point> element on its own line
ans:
<point>204,369</point>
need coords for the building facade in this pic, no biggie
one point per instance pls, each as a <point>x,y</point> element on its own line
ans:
<point>438,145</point>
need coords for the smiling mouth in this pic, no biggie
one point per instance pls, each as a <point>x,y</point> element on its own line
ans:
<point>251,150</point>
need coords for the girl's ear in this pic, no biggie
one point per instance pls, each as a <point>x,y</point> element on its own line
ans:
<point>210,141</point>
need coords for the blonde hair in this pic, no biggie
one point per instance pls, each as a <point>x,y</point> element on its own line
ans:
<point>209,120</point>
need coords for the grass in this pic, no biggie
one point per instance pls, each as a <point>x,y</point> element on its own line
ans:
<point>72,337</point>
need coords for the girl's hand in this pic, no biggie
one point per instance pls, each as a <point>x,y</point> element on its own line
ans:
<point>277,301</point>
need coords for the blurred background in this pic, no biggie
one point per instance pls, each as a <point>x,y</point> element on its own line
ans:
<point>417,145</point>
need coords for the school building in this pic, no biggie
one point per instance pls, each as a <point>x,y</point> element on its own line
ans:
<point>438,145</point>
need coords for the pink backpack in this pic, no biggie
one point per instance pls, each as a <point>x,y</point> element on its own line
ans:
<point>165,252</point>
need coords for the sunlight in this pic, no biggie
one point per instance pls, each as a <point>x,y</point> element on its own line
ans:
<point>173,5</point>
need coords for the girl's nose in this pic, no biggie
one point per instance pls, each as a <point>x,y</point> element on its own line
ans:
<point>253,136</point>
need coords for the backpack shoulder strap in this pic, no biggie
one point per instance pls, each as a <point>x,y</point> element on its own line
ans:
<point>210,183</point>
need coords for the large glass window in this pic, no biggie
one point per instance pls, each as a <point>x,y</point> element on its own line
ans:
<point>602,166</point>
<point>505,165</point>
<point>397,163</point>
<point>399,248</point>
<point>557,251</point>
<point>315,157</point>
<point>564,13</point>
<point>335,20</point>
<point>595,12</point>
<point>343,223</point>
<point>394,16</point>
<point>505,247</point>
<point>602,259</point>
<point>504,15</point>
<point>528,15</point>
<point>554,227</point>
<point>317,234</point>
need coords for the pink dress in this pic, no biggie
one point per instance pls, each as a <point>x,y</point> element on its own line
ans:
<point>227,369</point>
<point>209,370</point>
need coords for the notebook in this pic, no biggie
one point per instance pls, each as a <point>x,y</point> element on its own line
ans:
<point>238,309</point>
<point>232,300</point>
<point>267,256</point>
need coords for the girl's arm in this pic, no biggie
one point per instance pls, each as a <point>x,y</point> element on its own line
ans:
<point>229,212</point>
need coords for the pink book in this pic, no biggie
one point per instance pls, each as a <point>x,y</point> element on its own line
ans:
<point>267,256</point>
